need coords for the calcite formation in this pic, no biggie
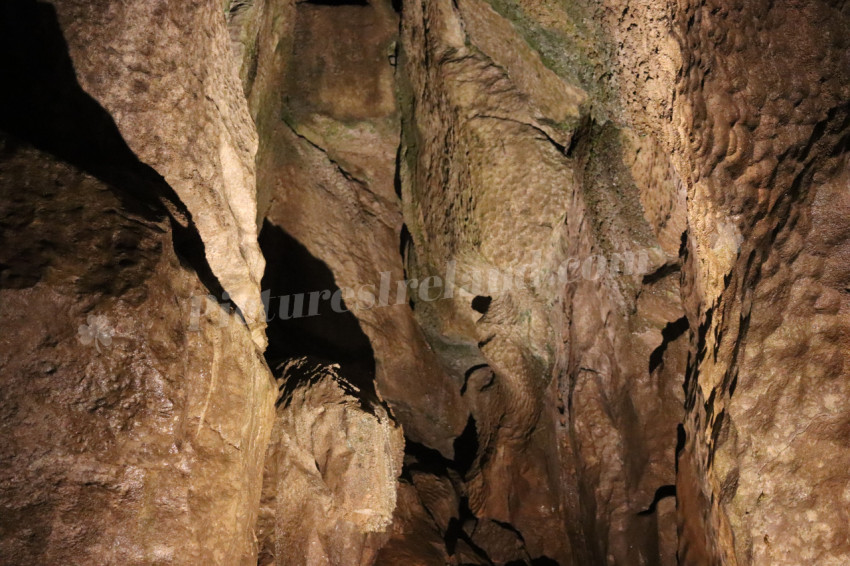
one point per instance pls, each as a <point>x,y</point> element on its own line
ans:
<point>353,282</point>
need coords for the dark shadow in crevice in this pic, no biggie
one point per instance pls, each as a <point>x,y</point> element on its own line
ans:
<point>481,303</point>
<point>671,332</point>
<point>457,531</point>
<point>661,493</point>
<point>303,319</point>
<point>404,242</point>
<point>43,105</point>
<point>661,272</point>
<point>467,374</point>
<point>397,174</point>
<point>335,2</point>
<point>422,459</point>
<point>466,447</point>
<point>680,443</point>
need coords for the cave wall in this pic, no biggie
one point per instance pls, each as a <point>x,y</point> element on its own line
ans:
<point>135,416</point>
<point>329,122</point>
<point>625,342</point>
<point>507,170</point>
<point>166,76</point>
<point>331,470</point>
<point>768,140</point>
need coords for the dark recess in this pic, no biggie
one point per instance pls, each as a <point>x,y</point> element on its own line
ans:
<point>660,493</point>
<point>671,332</point>
<point>329,336</point>
<point>481,304</point>
<point>336,2</point>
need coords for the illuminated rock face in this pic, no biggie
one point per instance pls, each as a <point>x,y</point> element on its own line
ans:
<point>331,471</point>
<point>574,277</point>
<point>134,426</point>
<point>127,436</point>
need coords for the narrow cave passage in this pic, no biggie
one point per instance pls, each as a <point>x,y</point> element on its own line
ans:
<point>546,283</point>
<point>303,317</point>
<point>323,151</point>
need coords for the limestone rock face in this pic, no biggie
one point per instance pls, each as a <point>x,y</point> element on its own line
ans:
<point>134,417</point>
<point>330,480</point>
<point>566,234</point>
<point>749,101</point>
<point>766,460</point>
<point>544,282</point>
<point>125,436</point>
<point>167,77</point>
<point>329,123</point>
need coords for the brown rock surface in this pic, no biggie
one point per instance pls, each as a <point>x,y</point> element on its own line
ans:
<point>124,437</point>
<point>327,117</point>
<point>575,428</point>
<point>767,145</point>
<point>620,233</point>
<point>133,425</point>
<point>166,75</point>
<point>330,480</point>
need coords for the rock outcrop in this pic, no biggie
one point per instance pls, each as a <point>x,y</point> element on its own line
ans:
<point>134,416</point>
<point>165,74</point>
<point>127,436</point>
<point>331,470</point>
<point>542,282</point>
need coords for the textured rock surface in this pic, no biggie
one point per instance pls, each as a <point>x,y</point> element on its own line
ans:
<point>756,124</point>
<point>327,117</point>
<point>574,427</point>
<point>767,146</point>
<point>330,480</point>
<point>166,75</point>
<point>623,335</point>
<point>126,437</point>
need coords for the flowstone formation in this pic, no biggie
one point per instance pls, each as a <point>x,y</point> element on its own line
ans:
<point>424,282</point>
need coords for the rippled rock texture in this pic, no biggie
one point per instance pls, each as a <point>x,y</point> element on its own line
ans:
<point>545,282</point>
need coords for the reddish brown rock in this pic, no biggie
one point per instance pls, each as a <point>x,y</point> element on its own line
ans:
<point>634,213</point>
<point>575,426</point>
<point>327,117</point>
<point>767,289</point>
<point>125,437</point>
